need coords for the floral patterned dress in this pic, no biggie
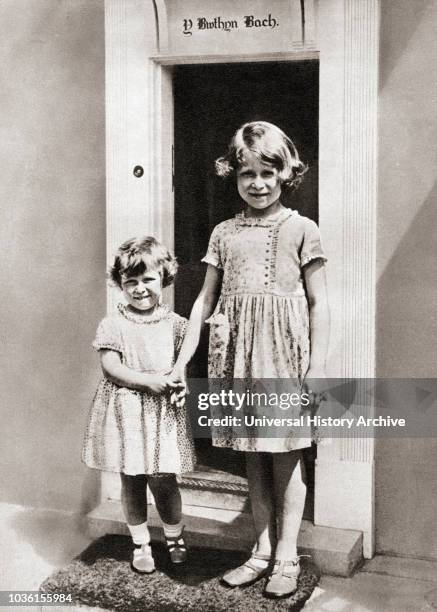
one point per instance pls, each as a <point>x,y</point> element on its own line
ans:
<point>136,432</point>
<point>260,327</point>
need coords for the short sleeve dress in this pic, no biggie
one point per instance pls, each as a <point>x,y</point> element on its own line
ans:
<point>130,431</point>
<point>260,327</point>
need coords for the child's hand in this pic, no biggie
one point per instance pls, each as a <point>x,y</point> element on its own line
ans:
<point>156,383</point>
<point>177,384</point>
<point>178,391</point>
<point>315,386</point>
<point>177,396</point>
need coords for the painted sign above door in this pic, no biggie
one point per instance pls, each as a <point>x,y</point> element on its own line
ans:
<point>208,27</point>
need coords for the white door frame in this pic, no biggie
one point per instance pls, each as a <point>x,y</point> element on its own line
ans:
<point>139,132</point>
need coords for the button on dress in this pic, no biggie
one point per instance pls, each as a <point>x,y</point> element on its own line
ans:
<point>260,327</point>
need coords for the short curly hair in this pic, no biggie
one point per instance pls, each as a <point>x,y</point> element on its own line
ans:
<point>138,255</point>
<point>271,145</point>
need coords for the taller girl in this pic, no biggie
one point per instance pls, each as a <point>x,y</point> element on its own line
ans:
<point>271,320</point>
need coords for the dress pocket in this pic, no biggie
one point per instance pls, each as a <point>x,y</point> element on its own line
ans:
<point>219,336</point>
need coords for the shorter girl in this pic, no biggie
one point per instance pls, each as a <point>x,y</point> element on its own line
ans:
<point>132,428</point>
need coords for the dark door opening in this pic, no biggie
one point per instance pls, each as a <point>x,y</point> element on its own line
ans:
<point>210,103</point>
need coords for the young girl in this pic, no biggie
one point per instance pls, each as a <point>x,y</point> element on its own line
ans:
<point>133,429</point>
<point>271,321</point>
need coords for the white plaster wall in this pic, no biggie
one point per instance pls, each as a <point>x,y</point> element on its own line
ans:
<point>406,478</point>
<point>52,194</point>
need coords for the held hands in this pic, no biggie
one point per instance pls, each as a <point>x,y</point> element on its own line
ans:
<point>162,383</point>
<point>315,386</point>
<point>156,383</point>
<point>177,384</point>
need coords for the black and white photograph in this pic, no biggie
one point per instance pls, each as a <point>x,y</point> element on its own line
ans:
<point>219,319</point>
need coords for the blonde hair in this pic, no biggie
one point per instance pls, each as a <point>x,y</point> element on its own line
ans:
<point>138,255</point>
<point>271,145</point>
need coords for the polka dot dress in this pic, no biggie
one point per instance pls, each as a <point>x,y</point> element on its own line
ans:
<point>260,327</point>
<point>136,432</point>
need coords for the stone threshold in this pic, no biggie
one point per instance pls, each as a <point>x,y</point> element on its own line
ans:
<point>221,519</point>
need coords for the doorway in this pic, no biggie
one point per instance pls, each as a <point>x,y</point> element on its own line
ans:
<point>139,132</point>
<point>210,102</point>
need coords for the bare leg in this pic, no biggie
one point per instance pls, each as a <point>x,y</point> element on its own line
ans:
<point>134,498</point>
<point>167,497</point>
<point>168,502</point>
<point>290,492</point>
<point>260,480</point>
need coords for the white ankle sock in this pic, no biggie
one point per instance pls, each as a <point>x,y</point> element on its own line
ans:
<point>140,533</point>
<point>261,563</point>
<point>289,555</point>
<point>172,531</point>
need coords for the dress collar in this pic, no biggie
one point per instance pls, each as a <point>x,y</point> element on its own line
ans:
<point>281,216</point>
<point>161,312</point>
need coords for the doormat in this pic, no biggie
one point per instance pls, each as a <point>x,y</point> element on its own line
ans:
<point>101,576</point>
